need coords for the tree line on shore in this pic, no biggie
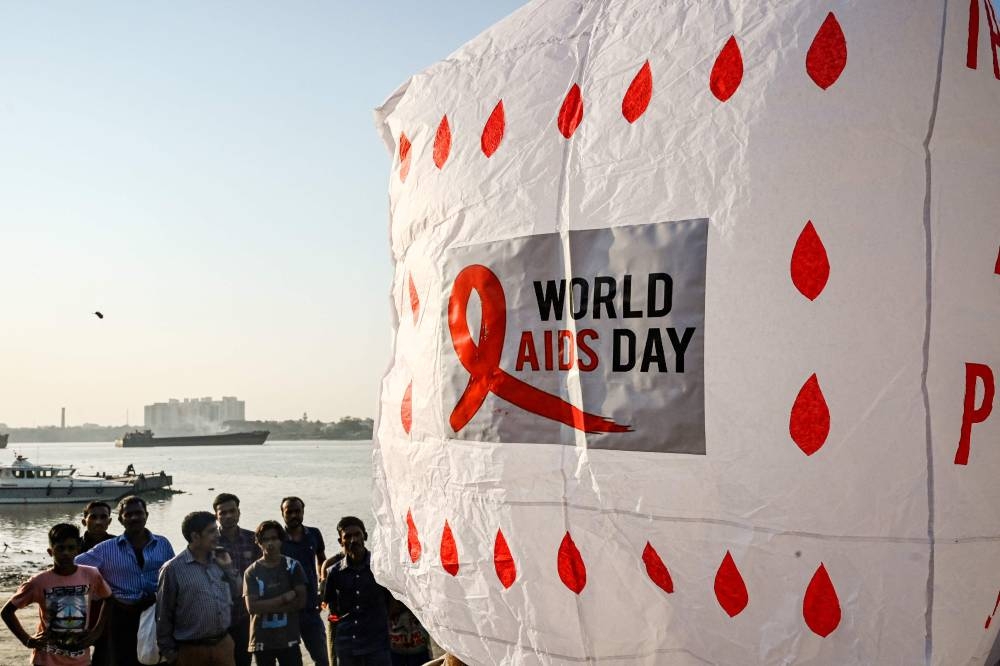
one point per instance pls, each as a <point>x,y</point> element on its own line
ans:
<point>347,428</point>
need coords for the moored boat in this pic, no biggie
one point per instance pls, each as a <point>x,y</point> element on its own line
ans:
<point>147,438</point>
<point>23,482</point>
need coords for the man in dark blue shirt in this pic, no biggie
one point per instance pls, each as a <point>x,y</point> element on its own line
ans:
<point>305,545</point>
<point>360,604</point>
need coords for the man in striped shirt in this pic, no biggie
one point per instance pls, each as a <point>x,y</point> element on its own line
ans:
<point>130,563</point>
<point>194,598</point>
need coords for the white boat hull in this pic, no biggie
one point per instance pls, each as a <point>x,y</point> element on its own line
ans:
<point>63,493</point>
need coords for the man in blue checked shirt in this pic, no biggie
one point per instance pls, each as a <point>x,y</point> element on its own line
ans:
<point>130,563</point>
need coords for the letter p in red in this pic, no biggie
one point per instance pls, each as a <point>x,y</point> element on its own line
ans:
<point>970,413</point>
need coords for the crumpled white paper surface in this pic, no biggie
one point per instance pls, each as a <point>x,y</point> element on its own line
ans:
<point>782,488</point>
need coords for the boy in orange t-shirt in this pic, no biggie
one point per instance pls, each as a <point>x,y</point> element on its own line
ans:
<point>64,595</point>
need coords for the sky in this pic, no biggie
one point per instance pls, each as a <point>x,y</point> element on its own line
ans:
<point>209,177</point>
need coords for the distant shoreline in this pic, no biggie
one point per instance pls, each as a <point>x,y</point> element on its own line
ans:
<point>99,440</point>
<point>349,428</point>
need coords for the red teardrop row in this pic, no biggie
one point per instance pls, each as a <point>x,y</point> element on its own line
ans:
<point>639,92</point>
<point>825,62</point>
<point>827,54</point>
<point>810,267</point>
<point>730,590</point>
<point>442,142</point>
<point>404,156</point>
<point>412,538</point>
<point>571,112</point>
<point>809,421</point>
<point>503,561</point>
<point>821,606</point>
<point>727,72</point>
<point>656,569</point>
<point>493,130</point>
<point>449,550</point>
<point>572,570</point>
<point>406,409</point>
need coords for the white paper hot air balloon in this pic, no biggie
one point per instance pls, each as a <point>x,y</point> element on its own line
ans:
<point>697,336</point>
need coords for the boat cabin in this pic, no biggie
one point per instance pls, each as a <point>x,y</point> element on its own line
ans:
<point>22,469</point>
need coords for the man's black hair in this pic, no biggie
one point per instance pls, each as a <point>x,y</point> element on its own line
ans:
<point>130,499</point>
<point>195,522</point>
<point>63,531</point>
<point>292,498</point>
<point>270,525</point>
<point>93,505</point>
<point>222,498</point>
<point>348,521</point>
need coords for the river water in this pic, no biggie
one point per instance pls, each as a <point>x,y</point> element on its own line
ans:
<point>333,478</point>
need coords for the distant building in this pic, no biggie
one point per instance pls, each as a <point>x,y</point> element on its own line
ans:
<point>193,415</point>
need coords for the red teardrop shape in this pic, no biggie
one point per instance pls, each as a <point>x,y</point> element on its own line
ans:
<point>656,569</point>
<point>730,589</point>
<point>406,409</point>
<point>996,269</point>
<point>449,551</point>
<point>827,54</point>
<point>493,131</point>
<point>412,538</point>
<point>809,423</point>
<point>810,265</point>
<point>404,156</point>
<point>503,561</point>
<point>638,94</point>
<point>571,112</point>
<point>727,72</point>
<point>572,570</point>
<point>821,607</point>
<point>414,300</point>
<point>442,143</point>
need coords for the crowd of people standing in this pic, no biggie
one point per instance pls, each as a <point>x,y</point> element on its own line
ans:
<point>231,596</point>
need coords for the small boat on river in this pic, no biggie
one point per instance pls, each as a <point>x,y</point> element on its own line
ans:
<point>23,482</point>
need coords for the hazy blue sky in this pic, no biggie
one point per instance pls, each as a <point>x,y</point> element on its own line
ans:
<point>208,175</point>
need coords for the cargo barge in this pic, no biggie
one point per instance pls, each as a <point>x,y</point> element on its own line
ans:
<point>146,438</point>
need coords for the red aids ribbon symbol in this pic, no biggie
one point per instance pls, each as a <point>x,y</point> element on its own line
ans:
<point>482,360</point>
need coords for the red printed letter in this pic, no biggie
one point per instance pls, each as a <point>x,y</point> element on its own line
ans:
<point>972,48</point>
<point>581,340</point>
<point>547,336</point>
<point>970,413</point>
<point>526,353</point>
<point>567,348</point>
